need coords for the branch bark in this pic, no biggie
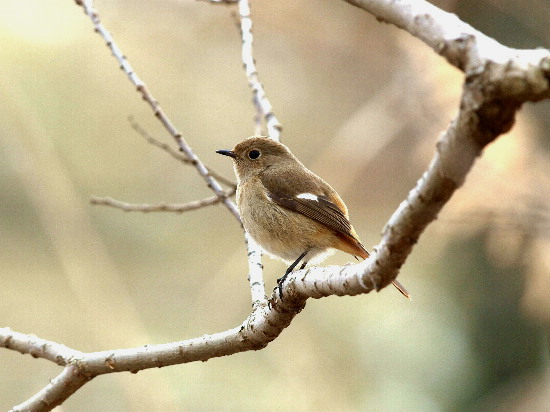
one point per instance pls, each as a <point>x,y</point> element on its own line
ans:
<point>463,46</point>
<point>160,207</point>
<point>261,102</point>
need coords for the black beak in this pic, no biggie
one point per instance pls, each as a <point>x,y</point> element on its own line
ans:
<point>227,153</point>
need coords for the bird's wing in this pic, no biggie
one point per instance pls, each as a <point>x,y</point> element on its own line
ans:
<point>312,198</point>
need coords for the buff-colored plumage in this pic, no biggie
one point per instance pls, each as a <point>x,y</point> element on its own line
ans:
<point>288,210</point>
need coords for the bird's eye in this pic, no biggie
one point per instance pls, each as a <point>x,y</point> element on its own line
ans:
<point>254,154</point>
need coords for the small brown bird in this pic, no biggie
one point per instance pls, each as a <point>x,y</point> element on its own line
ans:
<point>288,210</point>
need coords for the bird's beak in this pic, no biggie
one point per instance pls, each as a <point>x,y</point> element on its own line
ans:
<point>227,153</point>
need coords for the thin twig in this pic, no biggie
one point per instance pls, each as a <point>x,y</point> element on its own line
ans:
<point>261,102</point>
<point>160,207</point>
<point>175,154</point>
<point>37,347</point>
<point>212,183</point>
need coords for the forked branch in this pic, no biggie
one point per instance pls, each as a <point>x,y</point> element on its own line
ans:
<point>87,5</point>
<point>498,80</point>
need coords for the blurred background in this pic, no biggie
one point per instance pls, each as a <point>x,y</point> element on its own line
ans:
<point>362,104</point>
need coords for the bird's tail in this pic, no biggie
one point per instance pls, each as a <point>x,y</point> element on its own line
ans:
<point>402,289</point>
<point>361,251</point>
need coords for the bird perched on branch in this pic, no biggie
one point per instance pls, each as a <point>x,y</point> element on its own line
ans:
<point>288,210</point>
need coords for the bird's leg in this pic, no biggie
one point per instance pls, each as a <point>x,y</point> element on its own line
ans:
<point>281,280</point>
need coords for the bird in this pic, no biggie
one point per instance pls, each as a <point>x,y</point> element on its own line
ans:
<point>292,213</point>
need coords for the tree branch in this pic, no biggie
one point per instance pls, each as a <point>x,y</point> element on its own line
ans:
<point>261,102</point>
<point>255,271</point>
<point>463,46</point>
<point>37,347</point>
<point>56,392</point>
<point>160,207</point>
<point>175,154</point>
<point>498,80</point>
<point>87,5</point>
<point>263,109</point>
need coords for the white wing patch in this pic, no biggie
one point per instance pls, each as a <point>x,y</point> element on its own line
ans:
<point>308,196</point>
